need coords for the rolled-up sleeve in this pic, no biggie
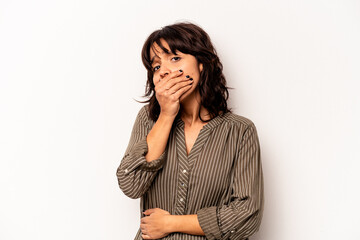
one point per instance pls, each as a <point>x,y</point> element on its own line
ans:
<point>134,173</point>
<point>241,217</point>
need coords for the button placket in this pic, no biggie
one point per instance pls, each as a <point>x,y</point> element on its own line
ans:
<point>185,162</point>
<point>182,189</point>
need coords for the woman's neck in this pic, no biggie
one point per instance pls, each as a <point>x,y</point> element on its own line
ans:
<point>190,108</point>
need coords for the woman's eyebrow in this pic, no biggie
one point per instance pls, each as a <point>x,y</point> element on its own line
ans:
<point>152,60</point>
<point>156,56</point>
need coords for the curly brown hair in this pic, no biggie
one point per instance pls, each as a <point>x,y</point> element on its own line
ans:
<point>191,39</point>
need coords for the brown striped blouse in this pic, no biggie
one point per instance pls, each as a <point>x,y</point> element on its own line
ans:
<point>220,180</point>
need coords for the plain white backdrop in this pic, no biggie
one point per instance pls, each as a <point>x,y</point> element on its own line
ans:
<point>69,74</point>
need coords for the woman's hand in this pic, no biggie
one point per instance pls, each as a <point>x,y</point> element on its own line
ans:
<point>169,90</point>
<point>156,224</point>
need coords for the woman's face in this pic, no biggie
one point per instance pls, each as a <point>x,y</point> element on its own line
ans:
<point>164,63</point>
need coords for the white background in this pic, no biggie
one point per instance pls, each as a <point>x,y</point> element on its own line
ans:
<point>69,74</point>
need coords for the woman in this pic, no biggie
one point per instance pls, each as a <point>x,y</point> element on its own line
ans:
<point>194,164</point>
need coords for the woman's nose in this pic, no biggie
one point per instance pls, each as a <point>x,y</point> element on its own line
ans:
<point>164,71</point>
<point>163,75</point>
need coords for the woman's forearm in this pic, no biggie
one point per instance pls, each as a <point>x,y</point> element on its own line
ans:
<point>158,137</point>
<point>186,224</point>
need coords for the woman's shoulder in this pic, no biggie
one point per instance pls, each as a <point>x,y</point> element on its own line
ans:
<point>144,116</point>
<point>143,113</point>
<point>238,120</point>
<point>240,124</point>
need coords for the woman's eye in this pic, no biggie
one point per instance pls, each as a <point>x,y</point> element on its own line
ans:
<point>155,68</point>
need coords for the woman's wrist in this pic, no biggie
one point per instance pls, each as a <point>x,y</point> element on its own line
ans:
<point>184,223</point>
<point>171,225</point>
<point>166,117</point>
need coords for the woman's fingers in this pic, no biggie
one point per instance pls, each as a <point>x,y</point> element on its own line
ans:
<point>167,82</point>
<point>181,91</point>
<point>168,77</point>
<point>173,85</point>
<point>173,81</point>
<point>169,89</point>
<point>143,229</point>
<point>180,85</point>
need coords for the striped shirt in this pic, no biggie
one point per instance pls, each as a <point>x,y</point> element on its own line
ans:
<point>221,179</point>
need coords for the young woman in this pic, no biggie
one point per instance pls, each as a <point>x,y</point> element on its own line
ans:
<point>195,165</point>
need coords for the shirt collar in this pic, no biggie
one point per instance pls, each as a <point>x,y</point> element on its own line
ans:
<point>209,125</point>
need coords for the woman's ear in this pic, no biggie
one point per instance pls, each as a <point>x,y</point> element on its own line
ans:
<point>201,67</point>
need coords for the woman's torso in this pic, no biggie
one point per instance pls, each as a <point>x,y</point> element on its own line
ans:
<point>202,178</point>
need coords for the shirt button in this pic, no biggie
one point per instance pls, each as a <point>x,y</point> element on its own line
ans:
<point>126,171</point>
<point>182,184</point>
<point>181,199</point>
<point>184,171</point>
<point>232,231</point>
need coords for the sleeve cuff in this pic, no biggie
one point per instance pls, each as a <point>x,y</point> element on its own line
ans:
<point>140,149</point>
<point>208,221</point>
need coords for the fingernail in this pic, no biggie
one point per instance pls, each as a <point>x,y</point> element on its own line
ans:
<point>187,76</point>
<point>180,70</point>
<point>191,79</point>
